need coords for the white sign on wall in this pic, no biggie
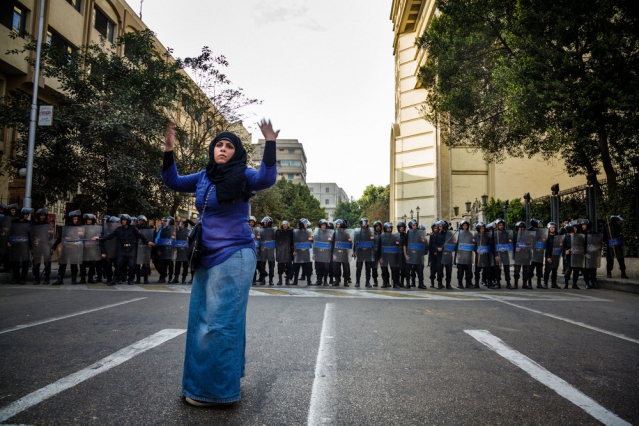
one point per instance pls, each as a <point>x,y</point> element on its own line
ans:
<point>45,118</point>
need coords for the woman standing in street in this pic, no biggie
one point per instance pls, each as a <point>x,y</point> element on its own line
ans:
<point>215,339</point>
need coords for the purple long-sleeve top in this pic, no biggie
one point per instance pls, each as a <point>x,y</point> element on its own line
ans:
<point>225,226</point>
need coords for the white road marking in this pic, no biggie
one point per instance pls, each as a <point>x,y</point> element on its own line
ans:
<point>544,376</point>
<point>322,409</point>
<point>581,324</point>
<point>33,324</point>
<point>101,366</point>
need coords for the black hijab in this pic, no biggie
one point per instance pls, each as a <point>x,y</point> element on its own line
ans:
<point>229,178</point>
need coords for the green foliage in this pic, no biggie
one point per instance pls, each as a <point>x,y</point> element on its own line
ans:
<point>287,201</point>
<point>106,135</point>
<point>350,211</point>
<point>375,203</point>
<point>494,209</point>
<point>520,78</point>
<point>516,212</point>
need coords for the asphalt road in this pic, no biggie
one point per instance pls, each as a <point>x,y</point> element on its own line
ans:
<point>315,356</point>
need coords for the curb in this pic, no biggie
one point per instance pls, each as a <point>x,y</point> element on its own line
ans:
<point>618,285</point>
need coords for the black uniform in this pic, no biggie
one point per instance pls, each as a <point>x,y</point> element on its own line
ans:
<point>613,237</point>
<point>549,270</point>
<point>128,238</point>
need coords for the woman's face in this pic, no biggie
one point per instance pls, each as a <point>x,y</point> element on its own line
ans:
<point>223,151</point>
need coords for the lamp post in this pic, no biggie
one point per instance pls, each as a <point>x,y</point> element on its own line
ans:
<point>591,201</point>
<point>554,203</point>
<point>467,206</point>
<point>411,214</point>
<point>484,200</point>
<point>506,213</point>
<point>527,208</point>
<point>456,210</point>
<point>404,217</point>
<point>417,210</point>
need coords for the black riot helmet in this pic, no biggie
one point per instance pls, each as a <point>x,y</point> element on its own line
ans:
<point>170,220</point>
<point>363,221</point>
<point>301,223</point>
<point>25,212</point>
<point>411,223</point>
<point>520,224</point>
<point>376,224</point>
<point>490,227</point>
<point>322,222</point>
<point>42,211</point>
<point>462,223</point>
<point>434,226</point>
<point>75,213</point>
<point>126,217</point>
<point>421,227</point>
<point>3,207</point>
<point>480,225</point>
<point>13,207</point>
<point>142,218</point>
<point>87,217</point>
<point>283,223</point>
<point>401,224</point>
<point>267,221</point>
<point>616,217</point>
<point>331,225</point>
<point>388,227</point>
<point>114,219</point>
<point>340,224</point>
<point>534,222</point>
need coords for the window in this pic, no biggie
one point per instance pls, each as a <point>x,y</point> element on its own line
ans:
<point>55,40</point>
<point>289,163</point>
<point>291,176</point>
<point>327,190</point>
<point>291,151</point>
<point>326,201</point>
<point>105,27</point>
<point>311,188</point>
<point>13,16</point>
<point>77,4</point>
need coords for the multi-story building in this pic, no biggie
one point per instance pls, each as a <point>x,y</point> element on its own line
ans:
<point>424,172</point>
<point>69,24</point>
<point>328,194</point>
<point>291,159</point>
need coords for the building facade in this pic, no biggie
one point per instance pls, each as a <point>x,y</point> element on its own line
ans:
<point>424,172</point>
<point>328,195</point>
<point>291,159</point>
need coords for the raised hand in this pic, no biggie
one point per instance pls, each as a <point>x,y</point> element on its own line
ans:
<point>267,130</point>
<point>169,137</point>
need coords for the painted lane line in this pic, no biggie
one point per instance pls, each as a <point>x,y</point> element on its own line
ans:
<point>101,366</point>
<point>544,376</point>
<point>33,324</point>
<point>581,324</point>
<point>322,409</point>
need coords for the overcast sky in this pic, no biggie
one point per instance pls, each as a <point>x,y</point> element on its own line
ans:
<point>323,69</point>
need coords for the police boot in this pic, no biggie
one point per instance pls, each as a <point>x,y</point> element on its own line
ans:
<point>515,287</point>
<point>439,285</point>
<point>588,286</point>
<point>539,284</point>
<point>59,281</point>
<point>374,282</point>
<point>83,280</point>
<point>356,283</point>
<point>74,279</point>
<point>346,281</point>
<point>112,282</point>
<point>448,286</point>
<point>554,284</point>
<point>162,279</point>
<point>432,283</point>
<point>623,274</point>
<point>130,281</point>
<point>294,280</point>
<point>46,280</point>
<point>368,284</point>
<point>508,286</point>
<point>460,283</point>
<point>412,282</point>
<point>575,286</point>
<point>335,283</point>
<point>422,286</point>
<point>279,280</point>
<point>270,281</point>
<point>175,280</point>
<point>287,281</point>
<point>184,279</point>
<point>146,279</point>
<point>608,274</point>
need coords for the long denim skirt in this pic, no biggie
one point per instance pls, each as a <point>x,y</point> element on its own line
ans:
<point>216,333</point>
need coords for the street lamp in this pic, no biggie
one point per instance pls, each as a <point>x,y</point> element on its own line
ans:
<point>467,206</point>
<point>411,214</point>
<point>404,217</point>
<point>417,210</point>
<point>506,203</point>
<point>22,172</point>
<point>456,210</point>
<point>484,200</point>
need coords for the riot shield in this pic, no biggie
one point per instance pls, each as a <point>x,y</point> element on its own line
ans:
<point>91,251</point>
<point>557,249</point>
<point>504,253</point>
<point>465,248</point>
<point>364,244</point>
<point>267,237</point>
<point>322,245</point>
<point>343,245</point>
<point>577,250</point>
<point>539,250</point>
<point>165,243</point>
<point>377,243</point>
<point>390,249</point>
<point>594,243</point>
<point>72,245</point>
<point>19,239</point>
<point>181,244</point>
<point>144,251</point>
<point>484,249</point>
<point>112,247</point>
<point>450,245</point>
<point>524,247</point>
<point>303,243</point>
<point>284,243</point>
<point>42,240</point>
<point>416,247</point>
<point>5,223</point>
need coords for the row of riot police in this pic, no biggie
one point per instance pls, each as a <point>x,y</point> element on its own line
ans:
<point>118,249</point>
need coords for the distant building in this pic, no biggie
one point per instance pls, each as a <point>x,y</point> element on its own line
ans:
<point>328,194</point>
<point>291,159</point>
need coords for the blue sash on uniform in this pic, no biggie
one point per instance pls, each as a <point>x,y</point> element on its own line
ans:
<point>414,246</point>
<point>615,241</point>
<point>504,247</point>
<point>540,245</point>
<point>466,247</point>
<point>322,245</point>
<point>180,244</point>
<point>268,244</point>
<point>343,245</point>
<point>390,249</point>
<point>303,246</point>
<point>557,251</point>
<point>365,244</point>
<point>450,247</point>
<point>483,249</point>
<point>165,242</point>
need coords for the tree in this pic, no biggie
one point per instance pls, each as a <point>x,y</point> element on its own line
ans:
<point>526,77</point>
<point>105,140</point>
<point>287,201</point>
<point>375,203</point>
<point>349,211</point>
